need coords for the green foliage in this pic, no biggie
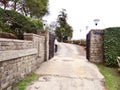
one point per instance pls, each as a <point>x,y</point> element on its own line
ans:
<point>23,83</point>
<point>111,46</point>
<point>33,8</point>
<point>83,42</point>
<point>37,8</point>
<point>63,30</point>
<point>37,23</point>
<point>13,22</point>
<point>112,78</point>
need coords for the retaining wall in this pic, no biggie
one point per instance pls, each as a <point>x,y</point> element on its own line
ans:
<point>20,57</point>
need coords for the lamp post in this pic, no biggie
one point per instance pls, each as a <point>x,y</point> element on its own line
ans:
<point>86,27</point>
<point>80,30</point>
<point>44,24</point>
<point>96,21</point>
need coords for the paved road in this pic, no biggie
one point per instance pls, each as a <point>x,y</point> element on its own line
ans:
<point>68,70</point>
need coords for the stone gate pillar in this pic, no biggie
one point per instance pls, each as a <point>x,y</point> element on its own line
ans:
<point>95,46</point>
<point>46,34</point>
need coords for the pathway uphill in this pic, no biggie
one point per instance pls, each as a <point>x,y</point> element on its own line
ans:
<point>68,70</point>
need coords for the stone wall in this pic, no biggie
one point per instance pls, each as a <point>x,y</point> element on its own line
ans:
<point>95,46</point>
<point>39,43</point>
<point>20,57</point>
<point>13,44</point>
<point>11,71</point>
<point>47,36</point>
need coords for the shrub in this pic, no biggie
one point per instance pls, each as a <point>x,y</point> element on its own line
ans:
<point>81,42</point>
<point>13,22</point>
<point>68,41</point>
<point>76,42</point>
<point>111,46</point>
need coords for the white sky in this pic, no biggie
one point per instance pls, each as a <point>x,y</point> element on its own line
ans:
<point>81,13</point>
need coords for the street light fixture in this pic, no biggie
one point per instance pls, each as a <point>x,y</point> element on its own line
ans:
<point>80,30</point>
<point>86,27</point>
<point>44,24</point>
<point>96,21</point>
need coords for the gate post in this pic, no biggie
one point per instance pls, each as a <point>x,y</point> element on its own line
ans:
<point>95,50</point>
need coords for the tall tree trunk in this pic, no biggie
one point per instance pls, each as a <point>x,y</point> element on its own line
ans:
<point>4,6</point>
<point>15,4</point>
<point>24,10</point>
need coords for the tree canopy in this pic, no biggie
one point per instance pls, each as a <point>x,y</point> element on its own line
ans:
<point>32,8</point>
<point>4,3</point>
<point>63,30</point>
<point>13,22</point>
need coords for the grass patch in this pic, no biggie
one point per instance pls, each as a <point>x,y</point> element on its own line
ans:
<point>21,85</point>
<point>112,77</point>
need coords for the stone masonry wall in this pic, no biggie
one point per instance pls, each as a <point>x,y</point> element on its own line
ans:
<point>49,43</point>
<point>12,44</point>
<point>95,46</point>
<point>20,57</point>
<point>13,70</point>
<point>39,43</point>
<point>46,35</point>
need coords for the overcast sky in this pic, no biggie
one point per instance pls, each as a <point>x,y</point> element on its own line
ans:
<point>81,13</point>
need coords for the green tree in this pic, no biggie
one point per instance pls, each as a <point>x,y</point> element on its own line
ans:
<point>32,8</point>
<point>15,4</point>
<point>63,30</point>
<point>4,3</point>
<point>16,23</point>
<point>37,8</point>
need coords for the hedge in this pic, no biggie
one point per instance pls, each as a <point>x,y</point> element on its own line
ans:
<point>111,46</point>
<point>13,22</point>
<point>81,42</point>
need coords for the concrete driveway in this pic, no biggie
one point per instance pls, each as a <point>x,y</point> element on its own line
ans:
<point>68,70</point>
